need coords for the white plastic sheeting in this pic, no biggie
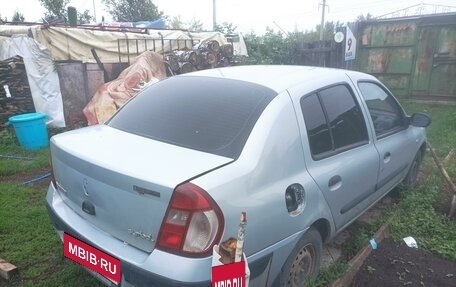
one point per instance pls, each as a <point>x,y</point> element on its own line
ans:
<point>66,43</point>
<point>42,76</point>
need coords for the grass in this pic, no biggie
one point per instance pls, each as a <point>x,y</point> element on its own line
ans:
<point>28,240</point>
<point>415,215</point>
<point>329,274</point>
<point>8,148</point>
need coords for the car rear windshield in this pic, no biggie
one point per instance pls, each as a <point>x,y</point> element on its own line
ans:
<point>213,115</point>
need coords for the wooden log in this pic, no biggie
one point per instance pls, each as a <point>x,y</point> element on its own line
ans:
<point>172,62</point>
<point>199,58</point>
<point>212,45</point>
<point>187,56</point>
<point>227,50</point>
<point>7,270</point>
<point>14,75</point>
<point>209,58</point>
<point>185,67</point>
<point>223,62</point>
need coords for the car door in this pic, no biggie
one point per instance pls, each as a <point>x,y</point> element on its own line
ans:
<point>339,155</point>
<point>394,140</point>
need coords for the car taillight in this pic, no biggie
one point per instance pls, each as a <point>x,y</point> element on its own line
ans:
<point>52,172</point>
<point>192,224</point>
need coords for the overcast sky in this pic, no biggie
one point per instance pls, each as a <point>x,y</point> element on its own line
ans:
<point>247,15</point>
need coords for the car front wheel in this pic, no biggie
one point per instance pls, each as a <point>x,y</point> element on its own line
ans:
<point>412,176</point>
<point>303,264</point>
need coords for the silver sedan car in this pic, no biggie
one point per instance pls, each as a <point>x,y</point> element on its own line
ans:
<point>304,151</point>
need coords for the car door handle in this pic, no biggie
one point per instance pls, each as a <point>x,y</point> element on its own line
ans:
<point>335,183</point>
<point>387,157</point>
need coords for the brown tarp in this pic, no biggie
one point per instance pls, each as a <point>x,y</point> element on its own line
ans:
<point>147,68</point>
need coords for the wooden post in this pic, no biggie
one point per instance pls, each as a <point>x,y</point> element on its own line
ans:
<point>7,270</point>
<point>447,179</point>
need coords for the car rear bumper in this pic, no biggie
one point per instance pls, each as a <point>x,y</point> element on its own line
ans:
<point>132,274</point>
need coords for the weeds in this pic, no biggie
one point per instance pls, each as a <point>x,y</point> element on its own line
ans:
<point>27,238</point>
<point>415,216</point>
<point>9,149</point>
<point>329,274</point>
<point>370,269</point>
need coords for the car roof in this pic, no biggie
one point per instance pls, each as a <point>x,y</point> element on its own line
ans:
<point>275,77</point>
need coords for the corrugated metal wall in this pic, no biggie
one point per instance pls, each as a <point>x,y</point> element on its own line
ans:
<point>414,57</point>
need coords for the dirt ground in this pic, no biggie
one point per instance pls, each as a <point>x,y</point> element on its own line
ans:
<point>22,177</point>
<point>394,264</point>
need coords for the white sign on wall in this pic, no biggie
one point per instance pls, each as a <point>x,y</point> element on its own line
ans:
<point>350,45</point>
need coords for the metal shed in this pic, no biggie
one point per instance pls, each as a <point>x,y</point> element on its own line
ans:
<point>414,56</point>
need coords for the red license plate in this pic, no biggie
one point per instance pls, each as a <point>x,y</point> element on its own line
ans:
<point>229,275</point>
<point>91,258</point>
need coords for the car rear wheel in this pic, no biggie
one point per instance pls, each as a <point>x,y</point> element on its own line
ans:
<point>303,264</point>
<point>412,176</point>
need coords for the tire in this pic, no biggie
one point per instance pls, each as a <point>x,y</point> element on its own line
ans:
<point>411,178</point>
<point>303,264</point>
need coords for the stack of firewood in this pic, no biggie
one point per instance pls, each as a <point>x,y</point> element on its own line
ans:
<point>15,95</point>
<point>207,55</point>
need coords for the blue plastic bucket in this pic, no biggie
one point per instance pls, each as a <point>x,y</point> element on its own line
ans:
<point>30,130</point>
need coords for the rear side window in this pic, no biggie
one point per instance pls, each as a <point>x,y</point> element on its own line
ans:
<point>207,114</point>
<point>317,128</point>
<point>334,121</point>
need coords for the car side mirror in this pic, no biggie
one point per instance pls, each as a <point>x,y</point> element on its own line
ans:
<point>420,120</point>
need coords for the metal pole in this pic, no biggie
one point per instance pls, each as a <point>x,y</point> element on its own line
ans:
<point>94,13</point>
<point>214,18</point>
<point>322,25</point>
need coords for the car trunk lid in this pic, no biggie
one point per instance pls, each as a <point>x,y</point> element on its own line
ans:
<point>122,183</point>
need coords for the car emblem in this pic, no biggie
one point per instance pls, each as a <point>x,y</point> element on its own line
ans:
<point>85,185</point>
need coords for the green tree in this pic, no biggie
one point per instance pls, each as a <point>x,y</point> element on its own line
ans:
<point>84,17</point>
<point>368,17</point>
<point>18,17</point>
<point>54,8</point>
<point>279,48</point>
<point>195,25</point>
<point>226,28</point>
<point>133,10</point>
<point>56,12</point>
<point>265,49</point>
<point>176,23</point>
